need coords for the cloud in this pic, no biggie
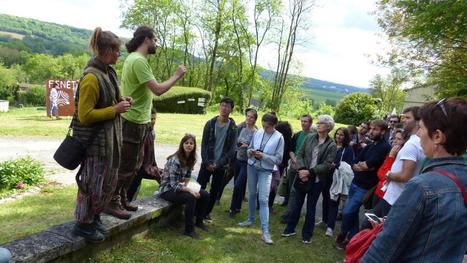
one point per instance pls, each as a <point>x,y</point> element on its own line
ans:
<point>344,41</point>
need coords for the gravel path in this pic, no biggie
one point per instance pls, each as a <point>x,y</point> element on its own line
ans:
<point>42,149</point>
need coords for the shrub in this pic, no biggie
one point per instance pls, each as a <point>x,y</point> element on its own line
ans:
<point>25,169</point>
<point>35,96</point>
<point>183,100</point>
<point>356,108</point>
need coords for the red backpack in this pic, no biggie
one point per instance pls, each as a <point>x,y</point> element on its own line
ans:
<point>360,243</point>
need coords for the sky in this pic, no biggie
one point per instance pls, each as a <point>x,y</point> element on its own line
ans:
<point>342,40</point>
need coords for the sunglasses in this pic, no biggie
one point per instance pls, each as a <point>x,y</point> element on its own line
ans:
<point>441,105</point>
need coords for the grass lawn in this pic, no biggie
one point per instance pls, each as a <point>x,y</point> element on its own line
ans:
<point>170,127</point>
<point>226,242</point>
<point>36,212</point>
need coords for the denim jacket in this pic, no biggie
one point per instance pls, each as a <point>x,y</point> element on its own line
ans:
<point>428,223</point>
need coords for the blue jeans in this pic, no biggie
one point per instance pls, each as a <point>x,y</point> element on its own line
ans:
<point>311,200</point>
<point>239,185</point>
<point>350,213</point>
<point>5,255</point>
<point>259,184</point>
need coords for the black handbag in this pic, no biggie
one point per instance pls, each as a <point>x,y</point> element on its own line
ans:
<point>72,151</point>
<point>304,186</point>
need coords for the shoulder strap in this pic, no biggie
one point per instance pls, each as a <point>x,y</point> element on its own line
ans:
<point>456,181</point>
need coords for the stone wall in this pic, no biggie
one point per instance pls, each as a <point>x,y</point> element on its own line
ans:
<point>58,244</point>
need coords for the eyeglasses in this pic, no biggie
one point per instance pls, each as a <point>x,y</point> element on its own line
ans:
<point>441,105</point>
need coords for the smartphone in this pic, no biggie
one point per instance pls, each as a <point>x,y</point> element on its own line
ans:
<point>373,217</point>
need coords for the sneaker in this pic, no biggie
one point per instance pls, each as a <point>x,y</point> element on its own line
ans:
<point>99,225</point>
<point>340,238</point>
<point>267,238</point>
<point>192,234</point>
<point>342,245</point>
<point>321,224</point>
<point>288,234</point>
<point>232,213</point>
<point>202,226</point>
<point>208,218</point>
<point>245,223</point>
<point>306,242</point>
<point>88,232</point>
<point>328,232</point>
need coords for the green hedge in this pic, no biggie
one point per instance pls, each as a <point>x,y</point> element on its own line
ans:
<point>25,170</point>
<point>183,100</point>
<point>35,96</point>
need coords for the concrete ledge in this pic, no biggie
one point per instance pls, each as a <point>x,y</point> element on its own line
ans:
<point>58,244</point>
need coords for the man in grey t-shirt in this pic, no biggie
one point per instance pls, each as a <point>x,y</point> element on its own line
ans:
<point>217,150</point>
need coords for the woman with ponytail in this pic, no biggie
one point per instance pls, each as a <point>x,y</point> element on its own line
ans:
<point>97,124</point>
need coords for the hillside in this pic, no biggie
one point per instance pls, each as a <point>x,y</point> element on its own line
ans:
<point>42,37</point>
<point>34,36</point>
<point>322,90</point>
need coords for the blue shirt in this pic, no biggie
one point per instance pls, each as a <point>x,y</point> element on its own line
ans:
<point>374,155</point>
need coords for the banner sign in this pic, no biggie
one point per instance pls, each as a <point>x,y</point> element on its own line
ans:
<point>60,97</point>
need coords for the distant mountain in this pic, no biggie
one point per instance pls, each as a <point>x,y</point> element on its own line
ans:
<point>42,37</point>
<point>322,90</point>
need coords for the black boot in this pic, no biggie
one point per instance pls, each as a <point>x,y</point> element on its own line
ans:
<point>88,232</point>
<point>99,225</point>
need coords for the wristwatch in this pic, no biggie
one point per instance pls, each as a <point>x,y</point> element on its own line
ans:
<point>388,175</point>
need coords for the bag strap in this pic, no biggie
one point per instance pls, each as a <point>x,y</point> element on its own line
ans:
<point>456,181</point>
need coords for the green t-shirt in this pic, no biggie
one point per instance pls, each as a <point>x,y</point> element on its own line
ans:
<point>135,74</point>
<point>300,138</point>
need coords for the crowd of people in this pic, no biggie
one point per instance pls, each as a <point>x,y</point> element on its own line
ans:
<point>409,170</point>
<point>392,167</point>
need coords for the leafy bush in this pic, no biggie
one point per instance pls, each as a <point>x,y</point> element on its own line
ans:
<point>35,96</point>
<point>324,108</point>
<point>356,108</point>
<point>25,170</point>
<point>183,100</point>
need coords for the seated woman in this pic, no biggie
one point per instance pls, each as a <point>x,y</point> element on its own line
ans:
<point>427,222</point>
<point>314,164</point>
<point>175,177</point>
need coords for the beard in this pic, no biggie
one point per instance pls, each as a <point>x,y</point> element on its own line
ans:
<point>151,50</point>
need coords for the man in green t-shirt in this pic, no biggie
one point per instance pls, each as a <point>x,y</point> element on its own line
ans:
<point>137,82</point>
<point>306,121</point>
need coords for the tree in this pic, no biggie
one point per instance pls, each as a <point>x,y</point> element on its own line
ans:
<point>264,13</point>
<point>287,40</point>
<point>428,37</point>
<point>42,67</point>
<point>388,91</point>
<point>356,108</point>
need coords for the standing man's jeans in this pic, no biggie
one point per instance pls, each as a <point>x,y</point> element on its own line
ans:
<point>240,185</point>
<point>259,183</point>
<point>294,216</point>
<point>350,213</point>
<point>216,185</point>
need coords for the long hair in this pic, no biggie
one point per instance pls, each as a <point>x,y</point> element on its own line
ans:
<point>185,161</point>
<point>347,138</point>
<point>138,37</point>
<point>102,41</point>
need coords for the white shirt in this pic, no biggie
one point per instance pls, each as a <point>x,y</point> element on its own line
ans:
<point>411,151</point>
